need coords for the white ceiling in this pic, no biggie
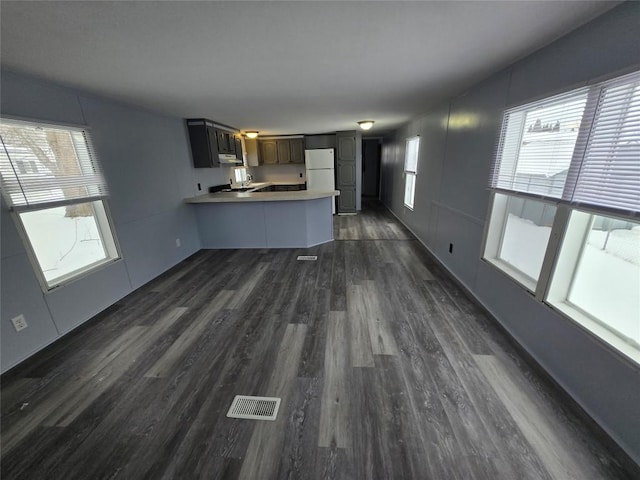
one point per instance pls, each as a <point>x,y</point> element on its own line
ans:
<point>281,67</point>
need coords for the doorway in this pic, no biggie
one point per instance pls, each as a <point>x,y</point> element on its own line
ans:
<point>371,152</point>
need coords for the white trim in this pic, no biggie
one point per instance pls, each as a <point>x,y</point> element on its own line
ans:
<point>595,328</point>
<point>519,277</point>
<point>608,348</point>
<point>111,246</point>
<point>47,123</point>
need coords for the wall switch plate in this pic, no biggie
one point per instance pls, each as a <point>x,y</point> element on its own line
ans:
<point>19,322</point>
<point>178,243</point>
<point>451,248</point>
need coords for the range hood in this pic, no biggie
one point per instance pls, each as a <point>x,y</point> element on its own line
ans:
<point>228,159</point>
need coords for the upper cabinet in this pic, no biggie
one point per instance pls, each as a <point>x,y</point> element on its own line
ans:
<point>204,143</point>
<point>224,141</point>
<point>209,141</point>
<point>268,152</point>
<point>281,151</point>
<point>297,150</point>
<point>284,154</point>
<point>238,146</point>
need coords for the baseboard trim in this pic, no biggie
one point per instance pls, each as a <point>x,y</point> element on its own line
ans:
<point>601,432</point>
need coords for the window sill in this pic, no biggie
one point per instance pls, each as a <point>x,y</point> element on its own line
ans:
<point>79,274</point>
<point>512,272</point>
<point>604,334</point>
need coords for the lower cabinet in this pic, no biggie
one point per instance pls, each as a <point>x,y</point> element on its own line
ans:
<point>289,188</point>
<point>284,188</point>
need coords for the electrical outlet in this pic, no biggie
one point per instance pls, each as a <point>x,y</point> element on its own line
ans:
<point>178,243</point>
<point>199,187</point>
<point>19,322</point>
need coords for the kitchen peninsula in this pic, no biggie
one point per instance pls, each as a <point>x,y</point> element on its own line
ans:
<point>255,219</point>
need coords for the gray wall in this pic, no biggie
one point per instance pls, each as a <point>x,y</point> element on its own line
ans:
<point>147,164</point>
<point>358,170</point>
<point>457,145</point>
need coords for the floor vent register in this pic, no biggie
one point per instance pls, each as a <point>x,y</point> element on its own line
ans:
<point>254,408</point>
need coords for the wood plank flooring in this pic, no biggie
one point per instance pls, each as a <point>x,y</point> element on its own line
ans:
<point>385,369</point>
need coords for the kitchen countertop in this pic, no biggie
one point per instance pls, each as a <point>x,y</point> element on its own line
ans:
<point>250,196</point>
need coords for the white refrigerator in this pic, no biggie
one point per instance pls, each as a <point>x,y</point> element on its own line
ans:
<point>320,173</point>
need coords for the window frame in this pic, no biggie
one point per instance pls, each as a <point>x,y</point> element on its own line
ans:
<point>546,291</point>
<point>102,216</point>
<point>565,271</point>
<point>410,173</point>
<point>493,239</point>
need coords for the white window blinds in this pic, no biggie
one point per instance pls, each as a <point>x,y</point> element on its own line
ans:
<point>41,165</point>
<point>581,147</point>
<point>537,142</point>
<point>610,170</point>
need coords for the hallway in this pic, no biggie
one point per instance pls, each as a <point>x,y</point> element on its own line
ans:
<point>385,370</point>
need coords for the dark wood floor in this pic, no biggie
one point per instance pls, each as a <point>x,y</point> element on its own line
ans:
<point>385,370</point>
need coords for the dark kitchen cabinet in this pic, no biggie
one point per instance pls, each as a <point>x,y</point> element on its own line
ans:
<point>238,147</point>
<point>296,146</point>
<point>284,154</point>
<point>222,141</point>
<point>268,152</point>
<point>281,151</point>
<point>204,144</point>
<point>289,188</point>
<point>208,141</point>
<point>226,142</point>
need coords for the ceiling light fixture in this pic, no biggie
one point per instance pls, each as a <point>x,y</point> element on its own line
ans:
<point>251,134</point>
<point>366,124</point>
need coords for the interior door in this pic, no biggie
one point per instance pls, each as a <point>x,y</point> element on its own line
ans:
<point>346,174</point>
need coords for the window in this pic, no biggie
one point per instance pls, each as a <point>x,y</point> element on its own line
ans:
<point>597,276</point>
<point>410,170</point>
<point>519,233</point>
<point>53,183</point>
<point>565,215</point>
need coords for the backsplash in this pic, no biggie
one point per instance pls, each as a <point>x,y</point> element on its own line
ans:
<point>279,173</point>
<point>207,177</point>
